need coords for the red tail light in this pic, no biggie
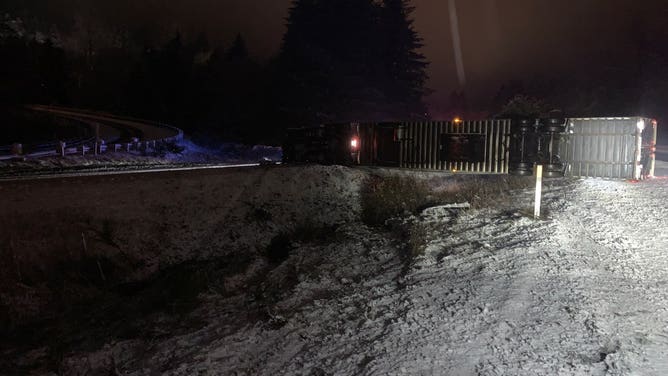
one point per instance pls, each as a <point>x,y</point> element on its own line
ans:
<point>354,143</point>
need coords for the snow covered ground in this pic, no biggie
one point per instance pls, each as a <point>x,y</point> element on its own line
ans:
<point>185,152</point>
<point>583,291</point>
<point>226,152</point>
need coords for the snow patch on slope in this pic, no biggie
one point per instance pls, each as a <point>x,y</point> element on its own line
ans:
<point>582,292</point>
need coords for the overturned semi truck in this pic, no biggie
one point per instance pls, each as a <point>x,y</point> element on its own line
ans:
<point>619,147</point>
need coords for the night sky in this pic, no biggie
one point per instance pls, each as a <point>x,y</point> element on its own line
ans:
<point>501,39</point>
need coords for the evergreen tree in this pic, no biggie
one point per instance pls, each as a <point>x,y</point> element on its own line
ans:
<point>405,65</point>
<point>346,60</point>
<point>522,107</point>
<point>238,50</point>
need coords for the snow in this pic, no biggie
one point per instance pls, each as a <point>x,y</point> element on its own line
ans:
<point>583,291</point>
<point>227,152</point>
<point>191,154</point>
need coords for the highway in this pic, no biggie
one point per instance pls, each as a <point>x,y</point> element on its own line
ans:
<point>122,171</point>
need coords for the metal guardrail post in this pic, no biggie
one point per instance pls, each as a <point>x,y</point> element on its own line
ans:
<point>92,118</point>
<point>61,148</point>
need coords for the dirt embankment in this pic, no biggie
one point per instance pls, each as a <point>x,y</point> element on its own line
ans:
<point>66,240</point>
<point>137,259</point>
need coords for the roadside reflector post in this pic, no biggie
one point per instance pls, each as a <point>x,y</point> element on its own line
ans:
<point>97,138</point>
<point>61,148</point>
<point>538,172</point>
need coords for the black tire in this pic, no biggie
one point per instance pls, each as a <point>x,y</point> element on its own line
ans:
<point>553,129</point>
<point>521,169</point>
<point>553,125</point>
<point>555,121</point>
<point>553,170</point>
<point>552,167</point>
<point>521,166</point>
<point>521,126</point>
<point>521,172</point>
<point>553,174</point>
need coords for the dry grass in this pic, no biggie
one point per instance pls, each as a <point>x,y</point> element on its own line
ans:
<point>282,245</point>
<point>139,228</point>
<point>483,191</point>
<point>165,241</point>
<point>417,240</point>
<point>383,198</point>
<point>386,197</point>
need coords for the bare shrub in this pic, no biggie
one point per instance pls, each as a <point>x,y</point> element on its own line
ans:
<point>384,198</point>
<point>484,192</point>
<point>259,214</point>
<point>279,248</point>
<point>394,196</point>
<point>417,240</point>
<point>281,245</point>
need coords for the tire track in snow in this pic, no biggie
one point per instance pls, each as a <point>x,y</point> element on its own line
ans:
<point>462,326</point>
<point>629,290</point>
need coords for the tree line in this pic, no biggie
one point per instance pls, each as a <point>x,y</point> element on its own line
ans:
<point>340,60</point>
<point>212,92</point>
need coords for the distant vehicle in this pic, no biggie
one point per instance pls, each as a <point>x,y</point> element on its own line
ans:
<point>620,147</point>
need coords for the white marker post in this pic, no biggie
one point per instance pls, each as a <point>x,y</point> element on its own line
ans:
<point>97,138</point>
<point>538,171</point>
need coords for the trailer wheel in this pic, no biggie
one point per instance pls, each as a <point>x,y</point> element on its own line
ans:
<point>521,169</point>
<point>553,129</point>
<point>521,172</point>
<point>553,174</point>
<point>553,170</point>
<point>521,126</point>
<point>554,125</point>
<point>521,166</point>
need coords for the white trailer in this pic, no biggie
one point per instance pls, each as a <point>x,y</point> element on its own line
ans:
<point>621,148</point>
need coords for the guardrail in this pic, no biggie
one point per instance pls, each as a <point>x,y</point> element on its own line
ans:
<point>92,144</point>
<point>178,132</point>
